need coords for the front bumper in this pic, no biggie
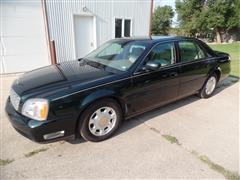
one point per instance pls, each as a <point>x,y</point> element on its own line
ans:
<point>35,130</point>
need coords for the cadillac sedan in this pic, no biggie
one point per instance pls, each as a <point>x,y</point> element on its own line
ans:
<point>121,79</point>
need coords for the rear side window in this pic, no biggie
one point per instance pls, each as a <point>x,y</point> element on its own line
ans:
<point>190,51</point>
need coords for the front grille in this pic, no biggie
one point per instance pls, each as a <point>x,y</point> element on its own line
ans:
<point>15,99</point>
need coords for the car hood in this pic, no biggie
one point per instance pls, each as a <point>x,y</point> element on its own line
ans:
<point>58,76</point>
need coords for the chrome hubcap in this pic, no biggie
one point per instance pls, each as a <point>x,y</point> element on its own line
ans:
<point>102,121</point>
<point>211,83</point>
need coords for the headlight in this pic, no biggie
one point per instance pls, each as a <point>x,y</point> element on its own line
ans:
<point>36,109</point>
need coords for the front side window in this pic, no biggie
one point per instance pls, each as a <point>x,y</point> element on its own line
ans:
<point>122,28</point>
<point>162,54</point>
<point>190,51</point>
<point>120,54</point>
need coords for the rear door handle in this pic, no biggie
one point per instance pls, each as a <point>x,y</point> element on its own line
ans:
<point>147,81</point>
<point>174,74</point>
<point>165,75</point>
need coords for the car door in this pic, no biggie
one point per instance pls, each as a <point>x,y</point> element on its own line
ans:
<point>194,67</point>
<point>154,88</point>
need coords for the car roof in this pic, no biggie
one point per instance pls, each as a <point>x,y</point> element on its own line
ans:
<point>155,39</point>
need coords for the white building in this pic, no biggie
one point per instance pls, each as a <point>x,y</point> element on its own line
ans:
<point>76,27</point>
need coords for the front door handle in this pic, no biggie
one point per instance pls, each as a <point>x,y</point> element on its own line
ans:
<point>166,75</point>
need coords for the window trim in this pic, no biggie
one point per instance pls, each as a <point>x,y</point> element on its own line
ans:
<point>177,62</point>
<point>138,73</point>
<point>174,49</point>
<point>194,60</point>
<point>123,26</point>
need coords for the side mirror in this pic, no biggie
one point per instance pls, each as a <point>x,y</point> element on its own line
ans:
<point>152,66</point>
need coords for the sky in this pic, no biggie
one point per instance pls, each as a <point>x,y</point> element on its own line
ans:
<point>169,3</point>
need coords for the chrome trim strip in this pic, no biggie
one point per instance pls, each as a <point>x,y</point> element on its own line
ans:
<point>91,88</point>
<point>150,72</point>
<point>173,65</point>
<point>219,69</point>
<point>200,60</point>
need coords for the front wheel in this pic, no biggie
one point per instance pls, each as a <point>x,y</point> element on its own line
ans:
<point>208,87</point>
<point>100,120</point>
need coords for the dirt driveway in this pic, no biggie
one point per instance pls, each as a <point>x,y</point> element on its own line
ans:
<point>191,138</point>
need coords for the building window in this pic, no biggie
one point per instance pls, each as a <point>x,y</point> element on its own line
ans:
<point>122,28</point>
<point>127,27</point>
<point>118,28</point>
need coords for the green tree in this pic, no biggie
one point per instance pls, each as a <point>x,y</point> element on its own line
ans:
<point>222,16</point>
<point>190,15</point>
<point>204,16</point>
<point>162,20</point>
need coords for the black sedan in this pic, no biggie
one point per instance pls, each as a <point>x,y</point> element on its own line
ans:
<point>121,79</point>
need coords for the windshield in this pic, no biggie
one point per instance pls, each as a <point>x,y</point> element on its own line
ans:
<point>120,55</point>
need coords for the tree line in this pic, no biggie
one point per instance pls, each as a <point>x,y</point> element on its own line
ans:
<point>217,20</point>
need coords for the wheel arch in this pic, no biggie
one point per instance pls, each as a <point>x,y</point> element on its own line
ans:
<point>98,96</point>
<point>217,70</point>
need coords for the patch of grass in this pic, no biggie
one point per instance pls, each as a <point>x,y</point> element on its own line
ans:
<point>195,153</point>
<point>216,167</point>
<point>155,130</point>
<point>226,173</point>
<point>34,152</point>
<point>4,162</point>
<point>234,50</point>
<point>171,139</point>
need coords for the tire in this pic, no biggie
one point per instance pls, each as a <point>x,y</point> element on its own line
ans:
<point>100,120</point>
<point>209,86</point>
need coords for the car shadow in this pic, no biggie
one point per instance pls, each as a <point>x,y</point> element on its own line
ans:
<point>137,120</point>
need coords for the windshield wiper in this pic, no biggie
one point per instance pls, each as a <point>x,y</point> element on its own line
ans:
<point>95,64</point>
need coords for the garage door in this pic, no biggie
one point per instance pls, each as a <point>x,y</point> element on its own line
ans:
<point>23,37</point>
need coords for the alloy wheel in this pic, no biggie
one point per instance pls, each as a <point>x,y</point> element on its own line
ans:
<point>210,85</point>
<point>102,121</point>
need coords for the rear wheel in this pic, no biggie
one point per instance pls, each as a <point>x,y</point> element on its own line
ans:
<point>208,87</point>
<point>100,120</point>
